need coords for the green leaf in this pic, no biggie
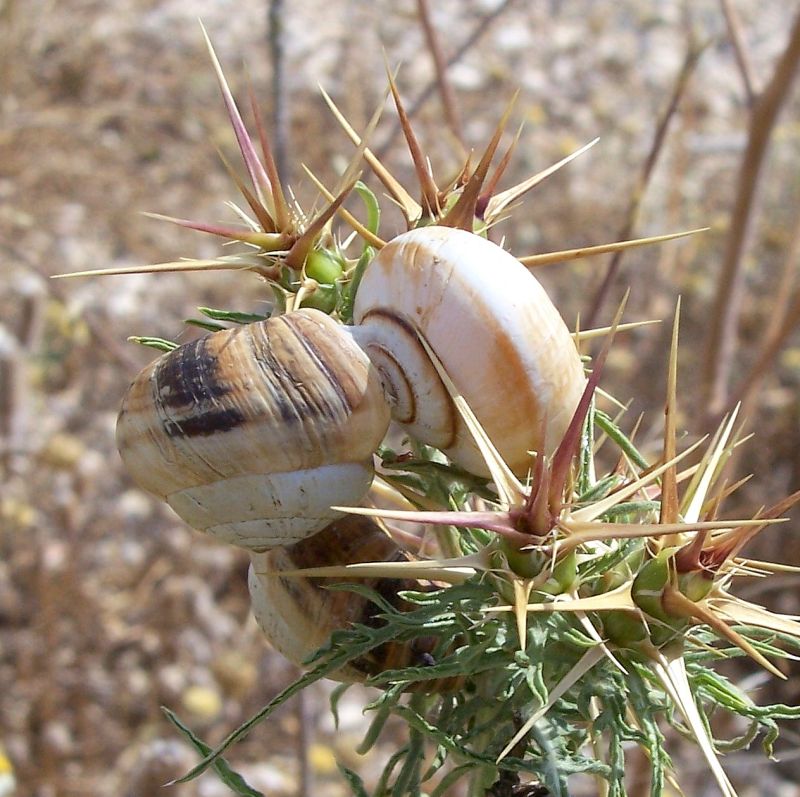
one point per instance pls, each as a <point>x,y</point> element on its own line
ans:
<point>372,206</point>
<point>391,764</point>
<point>409,778</point>
<point>328,665</point>
<point>452,777</point>
<point>349,289</point>
<point>354,781</point>
<point>333,701</point>
<point>232,316</point>
<point>631,511</point>
<point>382,714</point>
<point>618,436</point>
<point>211,326</point>
<point>234,781</point>
<point>652,737</point>
<point>154,343</point>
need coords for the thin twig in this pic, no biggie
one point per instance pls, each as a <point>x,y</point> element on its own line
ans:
<point>790,274</point>
<point>10,34</point>
<point>449,105</point>
<point>305,783</point>
<point>766,356</point>
<point>16,351</point>
<point>477,32</point>
<point>11,403</point>
<point>740,50</point>
<point>640,189</point>
<point>784,317</point>
<point>725,318</point>
<point>276,19</point>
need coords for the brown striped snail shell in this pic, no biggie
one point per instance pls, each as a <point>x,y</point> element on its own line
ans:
<point>492,326</point>
<point>253,433</point>
<point>298,614</point>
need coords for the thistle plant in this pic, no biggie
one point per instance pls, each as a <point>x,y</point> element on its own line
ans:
<point>568,614</point>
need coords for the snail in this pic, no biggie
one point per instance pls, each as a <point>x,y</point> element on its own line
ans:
<point>298,614</point>
<point>253,433</point>
<point>495,331</point>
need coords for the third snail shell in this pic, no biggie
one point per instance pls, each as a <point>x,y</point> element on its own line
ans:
<point>298,614</point>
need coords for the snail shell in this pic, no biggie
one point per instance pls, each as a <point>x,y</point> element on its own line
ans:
<point>252,433</point>
<point>494,329</point>
<point>298,615</point>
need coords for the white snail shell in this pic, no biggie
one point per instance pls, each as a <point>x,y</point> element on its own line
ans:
<point>494,329</point>
<point>298,614</point>
<point>253,433</point>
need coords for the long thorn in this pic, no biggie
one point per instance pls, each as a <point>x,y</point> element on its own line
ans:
<point>363,231</point>
<point>497,204</point>
<point>669,484</point>
<point>410,207</point>
<point>254,168</point>
<point>462,214</point>
<point>546,258</point>
<point>428,187</point>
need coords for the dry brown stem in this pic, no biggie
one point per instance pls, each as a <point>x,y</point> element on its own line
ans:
<point>783,320</point>
<point>477,32</point>
<point>280,107</point>
<point>740,51</point>
<point>449,105</point>
<point>305,738</point>
<point>725,317</point>
<point>640,189</point>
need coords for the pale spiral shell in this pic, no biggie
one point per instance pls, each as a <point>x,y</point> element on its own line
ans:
<point>253,433</point>
<point>298,614</point>
<point>491,325</point>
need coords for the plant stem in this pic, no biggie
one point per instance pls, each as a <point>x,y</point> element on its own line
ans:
<point>740,51</point>
<point>632,213</point>
<point>725,316</point>
<point>477,32</point>
<point>280,112</point>
<point>449,104</point>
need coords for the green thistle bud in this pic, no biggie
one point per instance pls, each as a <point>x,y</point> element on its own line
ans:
<point>324,266</point>
<point>622,572</point>
<point>695,585</point>
<point>564,577</point>
<point>624,629</point>
<point>526,564</point>
<point>648,587</point>
<point>323,298</point>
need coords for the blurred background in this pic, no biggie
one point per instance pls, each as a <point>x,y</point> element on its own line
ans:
<point>109,606</point>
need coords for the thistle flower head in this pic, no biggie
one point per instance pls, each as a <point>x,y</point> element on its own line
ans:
<point>649,592</point>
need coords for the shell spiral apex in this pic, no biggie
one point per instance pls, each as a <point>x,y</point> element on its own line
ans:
<point>493,327</point>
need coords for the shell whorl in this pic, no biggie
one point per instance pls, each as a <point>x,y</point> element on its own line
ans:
<point>253,433</point>
<point>494,329</point>
<point>298,614</point>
